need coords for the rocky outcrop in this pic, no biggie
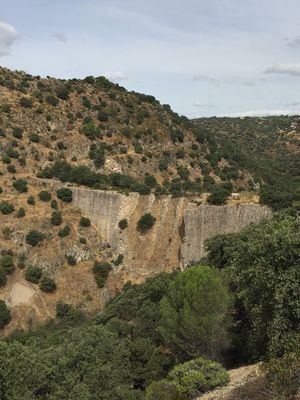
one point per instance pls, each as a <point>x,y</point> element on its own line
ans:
<point>178,236</point>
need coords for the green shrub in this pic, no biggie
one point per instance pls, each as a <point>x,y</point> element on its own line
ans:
<point>198,376</point>
<point>62,310</point>
<point>52,100</point>
<point>283,374</point>
<point>34,137</point>
<point>7,264</point>
<point>11,169</point>
<point>17,133</point>
<point>6,208</point>
<point>20,185</point>
<point>84,222</point>
<point>25,102</point>
<point>47,284</point>
<point>218,195</point>
<point>65,231</point>
<point>194,313</point>
<point>33,274</point>
<point>101,271</point>
<point>34,238</point>
<point>163,390</point>
<point>44,195</point>
<point>65,195</point>
<point>82,240</point>
<point>5,316</point>
<point>54,204</point>
<point>146,222</point>
<point>3,278</point>
<point>119,260</point>
<point>56,218</point>
<point>6,159</point>
<point>71,260</point>
<point>31,201</point>
<point>123,224</point>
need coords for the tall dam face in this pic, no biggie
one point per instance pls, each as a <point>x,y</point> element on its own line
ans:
<point>177,238</point>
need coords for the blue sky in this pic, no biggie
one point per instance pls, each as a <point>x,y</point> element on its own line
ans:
<point>213,57</point>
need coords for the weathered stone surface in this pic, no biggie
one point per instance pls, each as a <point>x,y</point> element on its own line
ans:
<point>207,221</point>
<point>178,236</point>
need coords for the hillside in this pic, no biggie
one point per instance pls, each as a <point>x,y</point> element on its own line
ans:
<point>129,269</point>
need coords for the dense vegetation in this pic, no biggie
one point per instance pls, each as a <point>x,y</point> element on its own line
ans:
<point>147,340</point>
<point>268,148</point>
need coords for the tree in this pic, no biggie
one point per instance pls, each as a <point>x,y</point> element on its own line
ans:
<point>146,222</point>
<point>123,224</point>
<point>65,195</point>
<point>84,222</point>
<point>6,208</point>
<point>7,264</point>
<point>198,376</point>
<point>5,316</point>
<point>34,238</point>
<point>194,313</point>
<point>33,274</point>
<point>56,218</point>
<point>44,195</point>
<point>47,284</point>
<point>266,274</point>
<point>20,185</point>
<point>101,271</point>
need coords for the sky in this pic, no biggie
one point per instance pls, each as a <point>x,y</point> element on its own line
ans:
<point>204,58</point>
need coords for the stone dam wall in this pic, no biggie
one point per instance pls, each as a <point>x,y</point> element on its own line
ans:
<point>177,238</point>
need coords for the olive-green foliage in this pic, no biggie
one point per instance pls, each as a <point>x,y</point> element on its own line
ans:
<point>44,195</point>
<point>198,376</point>
<point>53,204</point>
<point>137,307</point>
<point>21,212</point>
<point>123,224</point>
<point>65,195</point>
<point>34,237</point>
<point>220,249</point>
<point>193,313</point>
<point>20,185</point>
<point>7,264</point>
<point>25,102</point>
<point>5,318</point>
<point>33,274</point>
<point>56,218</point>
<point>52,100</point>
<point>47,284</point>
<point>6,208</point>
<point>265,271</point>
<point>101,271</point>
<point>219,194</point>
<point>3,278</point>
<point>283,374</point>
<point>65,231</point>
<point>89,363</point>
<point>163,390</point>
<point>71,260</point>
<point>146,222</point>
<point>31,201</point>
<point>84,222</point>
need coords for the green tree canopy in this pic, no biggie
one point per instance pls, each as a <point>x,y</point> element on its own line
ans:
<point>194,312</point>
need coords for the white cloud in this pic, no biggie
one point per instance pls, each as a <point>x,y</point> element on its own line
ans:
<point>295,42</point>
<point>279,68</point>
<point>114,76</point>
<point>205,78</point>
<point>8,35</point>
<point>263,113</point>
<point>199,104</point>
<point>61,37</point>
